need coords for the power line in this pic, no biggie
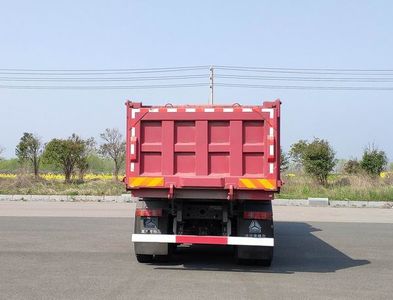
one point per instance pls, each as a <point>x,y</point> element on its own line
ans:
<point>83,79</point>
<point>300,87</point>
<point>356,72</point>
<point>39,72</point>
<point>108,87</point>
<point>294,78</point>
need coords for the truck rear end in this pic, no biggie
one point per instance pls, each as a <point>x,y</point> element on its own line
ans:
<point>203,175</point>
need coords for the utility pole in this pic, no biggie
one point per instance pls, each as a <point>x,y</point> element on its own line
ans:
<point>211,100</point>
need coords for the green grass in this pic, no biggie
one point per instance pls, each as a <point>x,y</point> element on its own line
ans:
<point>26,185</point>
<point>340,187</point>
<point>97,164</point>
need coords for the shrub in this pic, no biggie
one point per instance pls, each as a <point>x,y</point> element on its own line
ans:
<point>352,166</point>
<point>317,158</point>
<point>374,161</point>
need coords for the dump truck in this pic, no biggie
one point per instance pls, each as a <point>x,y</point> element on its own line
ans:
<point>203,174</point>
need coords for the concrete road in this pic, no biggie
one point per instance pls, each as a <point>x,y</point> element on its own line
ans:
<point>83,251</point>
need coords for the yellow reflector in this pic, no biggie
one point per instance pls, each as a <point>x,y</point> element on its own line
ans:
<point>257,183</point>
<point>146,181</point>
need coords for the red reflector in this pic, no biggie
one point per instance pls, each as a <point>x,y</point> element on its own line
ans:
<point>140,212</point>
<point>258,215</point>
<point>192,239</point>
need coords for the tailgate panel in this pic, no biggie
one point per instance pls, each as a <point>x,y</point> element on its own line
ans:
<point>204,147</point>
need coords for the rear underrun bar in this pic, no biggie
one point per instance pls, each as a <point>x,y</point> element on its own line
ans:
<point>197,239</point>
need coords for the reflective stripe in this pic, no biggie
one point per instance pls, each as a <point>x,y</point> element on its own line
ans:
<point>154,238</point>
<point>270,111</point>
<point>200,239</point>
<point>250,241</point>
<point>271,150</point>
<point>257,183</point>
<point>134,111</point>
<point>146,181</point>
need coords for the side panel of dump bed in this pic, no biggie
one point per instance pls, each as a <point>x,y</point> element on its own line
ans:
<point>228,151</point>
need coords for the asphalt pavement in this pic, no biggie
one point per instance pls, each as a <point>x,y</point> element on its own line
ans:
<point>84,251</point>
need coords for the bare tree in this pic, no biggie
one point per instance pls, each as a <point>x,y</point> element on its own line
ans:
<point>113,147</point>
<point>83,164</point>
<point>29,150</point>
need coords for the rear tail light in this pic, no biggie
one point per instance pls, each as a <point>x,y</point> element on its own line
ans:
<point>143,212</point>
<point>258,215</point>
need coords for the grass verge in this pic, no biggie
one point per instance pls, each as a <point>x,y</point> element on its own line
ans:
<point>340,187</point>
<point>29,186</point>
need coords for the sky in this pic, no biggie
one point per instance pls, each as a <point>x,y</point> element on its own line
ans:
<point>94,34</point>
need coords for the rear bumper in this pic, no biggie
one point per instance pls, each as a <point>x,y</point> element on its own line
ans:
<point>193,193</point>
<point>197,239</point>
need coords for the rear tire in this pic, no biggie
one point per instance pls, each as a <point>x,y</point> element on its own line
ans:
<point>144,258</point>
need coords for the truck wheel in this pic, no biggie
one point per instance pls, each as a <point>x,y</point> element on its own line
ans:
<point>144,258</point>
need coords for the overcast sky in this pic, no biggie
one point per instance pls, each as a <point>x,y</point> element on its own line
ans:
<point>94,34</point>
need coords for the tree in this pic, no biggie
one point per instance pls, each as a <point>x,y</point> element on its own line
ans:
<point>113,147</point>
<point>284,160</point>
<point>317,158</point>
<point>66,153</point>
<point>352,166</point>
<point>374,161</point>
<point>83,164</point>
<point>29,150</point>
<point>296,153</point>
<point>1,151</point>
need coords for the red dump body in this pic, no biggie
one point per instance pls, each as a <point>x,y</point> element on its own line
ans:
<point>214,152</point>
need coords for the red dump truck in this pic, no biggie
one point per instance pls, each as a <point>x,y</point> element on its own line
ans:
<point>203,175</point>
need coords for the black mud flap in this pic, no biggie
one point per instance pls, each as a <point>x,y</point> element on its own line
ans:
<point>152,225</point>
<point>255,228</point>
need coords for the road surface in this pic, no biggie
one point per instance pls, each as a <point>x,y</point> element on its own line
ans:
<point>83,251</point>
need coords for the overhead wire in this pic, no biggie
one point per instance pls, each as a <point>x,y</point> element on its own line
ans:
<point>108,87</point>
<point>297,87</point>
<point>179,77</point>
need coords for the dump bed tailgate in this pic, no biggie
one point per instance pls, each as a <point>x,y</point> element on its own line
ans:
<point>231,148</point>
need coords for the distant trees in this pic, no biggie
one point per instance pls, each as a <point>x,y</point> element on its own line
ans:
<point>374,161</point>
<point>114,148</point>
<point>316,157</point>
<point>29,150</point>
<point>1,152</point>
<point>296,153</point>
<point>68,154</point>
<point>284,161</point>
<point>318,160</point>
<point>83,163</point>
<point>352,166</point>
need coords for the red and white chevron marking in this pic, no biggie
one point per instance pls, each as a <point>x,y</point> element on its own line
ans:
<point>197,239</point>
